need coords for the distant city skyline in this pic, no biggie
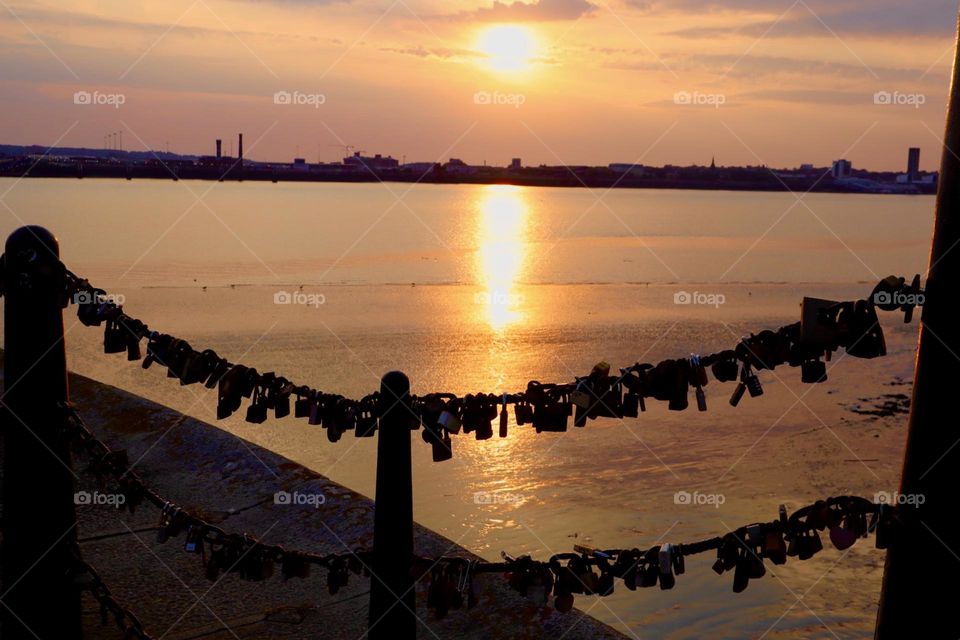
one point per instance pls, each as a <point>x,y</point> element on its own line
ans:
<point>577,82</point>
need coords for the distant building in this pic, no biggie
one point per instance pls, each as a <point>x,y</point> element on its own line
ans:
<point>458,166</point>
<point>913,164</point>
<point>631,169</point>
<point>806,168</point>
<point>842,169</point>
<point>515,164</point>
<point>376,162</point>
<point>419,167</point>
<point>299,164</point>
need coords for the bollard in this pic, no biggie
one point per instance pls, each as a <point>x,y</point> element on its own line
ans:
<point>40,521</point>
<point>918,596</point>
<point>392,596</point>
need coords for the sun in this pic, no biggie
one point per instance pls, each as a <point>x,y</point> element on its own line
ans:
<point>507,47</point>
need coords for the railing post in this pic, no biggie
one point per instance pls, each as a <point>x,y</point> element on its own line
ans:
<point>919,596</point>
<point>39,517</point>
<point>392,594</point>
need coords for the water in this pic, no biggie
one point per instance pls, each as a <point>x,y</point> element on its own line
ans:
<point>482,288</point>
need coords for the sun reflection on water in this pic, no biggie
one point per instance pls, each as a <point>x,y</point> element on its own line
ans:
<point>502,216</point>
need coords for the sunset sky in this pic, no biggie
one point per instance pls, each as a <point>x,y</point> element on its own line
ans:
<point>774,82</point>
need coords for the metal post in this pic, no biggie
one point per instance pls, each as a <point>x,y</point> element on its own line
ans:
<point>38,505</point>
<point>392,596</point>
<point>919,597</point>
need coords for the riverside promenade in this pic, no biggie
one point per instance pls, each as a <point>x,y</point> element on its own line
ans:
<point>231,483</point>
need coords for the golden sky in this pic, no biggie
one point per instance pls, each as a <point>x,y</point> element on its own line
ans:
<point>551,81</point>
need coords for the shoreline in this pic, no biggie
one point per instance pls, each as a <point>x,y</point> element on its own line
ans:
<point>766,182</point>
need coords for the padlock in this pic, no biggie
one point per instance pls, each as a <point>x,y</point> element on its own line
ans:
<point>741,575</point>
<point>301,406</point>
<point>818,326</point>
<point>813,371</point>
<point>665,556</point>
<point>257,411</point>
<point>194,541</point>
<point>605,584</point>
<point>808,544</point>
<point>679,566</point>
<point>523,413</point>
<point>315,416</point>
<point>819,515</point>
<point>338,575</point>
<point>738,394</point>
<point>551,415</point>
<point>198,367</point>
<point>726,369</point>
<point>753,383</point>
<point>449,419</point>
<point>698,378</point>
<point>219,369</point>
<point>216,562</point>
<point>279,397</point>
<point>366,422</point>
<point>589,580</point>
<point>438,593</point>
<point>861,331</point>
<point>629,572</point>
<point>845,535</point>
<point>294,566</point>
<point>177,357</point>
<point>132,331</point>
<point>442,448</point>
<point>774,547</point>
<point>229,391</point>
<point>631,405</point>
<point>114,338</point>
<point>487,411</point>
<point>157,347</point>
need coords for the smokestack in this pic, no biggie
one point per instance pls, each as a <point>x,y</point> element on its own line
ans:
<point>240,151</point>
<point>219,148</point>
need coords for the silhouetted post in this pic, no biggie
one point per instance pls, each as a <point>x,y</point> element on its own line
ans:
<point>38,504</point>
<point>392,596</point>
<point>919,594</point>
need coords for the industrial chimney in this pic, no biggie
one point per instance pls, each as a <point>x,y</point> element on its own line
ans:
<point>219,148</point>
<point>240,151</point>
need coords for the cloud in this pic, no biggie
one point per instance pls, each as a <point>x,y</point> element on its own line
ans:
<point>443,53</point>
<point>536,11</point>
<point>935,18</point>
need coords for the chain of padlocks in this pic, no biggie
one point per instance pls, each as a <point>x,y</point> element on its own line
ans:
<point>586,571</point>
<point>825,327</point>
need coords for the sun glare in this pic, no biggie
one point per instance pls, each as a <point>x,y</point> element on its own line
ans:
<point>507,47</point>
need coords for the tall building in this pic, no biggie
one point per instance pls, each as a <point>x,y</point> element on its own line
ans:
<point>913,164</point>
<point>842,169</point>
